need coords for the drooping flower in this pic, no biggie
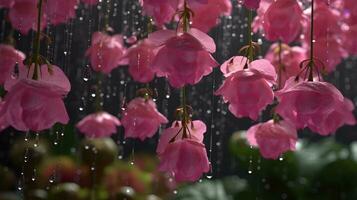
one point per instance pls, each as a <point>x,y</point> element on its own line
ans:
<point>314,104</point>
<point>251,4</point>
<point>283,21</point>
<point>247,90</point>
<point>106,52</point>
<point>291,57</point>
<point>60,11</point>
<point>141,119</point>
<point>216,8</point>
<point>90,2</point>
<point>6,3</point>
<point>162,11</point>
<point>98,125</point>
<point>36,104</point>
<point>273,138</point>
<point>183,58</point>
<point>23,15</point>
<point>8,59</point>
<point>184,156</point>
<point>139,58</point>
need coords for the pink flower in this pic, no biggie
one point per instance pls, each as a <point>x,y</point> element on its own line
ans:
<point>23,15</point>
<point>251,4</point>
<point>60,11</point>
<point>216,8</point>
<point>36,104</point>
<point>272,138</point>
<point>184,157</point>
<point>139,58</point>
<point>98,125</point>
<point>291,57</point>
<point>248,91</point>
<point>162,11</point>
<point>6,3</point>
<point>316,105</point>
<point>183,58</point>
<point>3,122</point>
<point>141,119</point>
<point>90,2</point>
<point>8,59</point>
<point>106,52</point>
<point>283,21</point>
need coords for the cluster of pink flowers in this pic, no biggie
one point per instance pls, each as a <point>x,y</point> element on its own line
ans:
<point>184,57</point>
<point>23,13</point>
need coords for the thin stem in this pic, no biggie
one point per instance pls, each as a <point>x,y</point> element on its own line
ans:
<point>186,17</point>
<point>250,36</point>
<point>311,63</point>
<point>98,98</point>
<point>37,42</point>
<point>106,15</point>
<point>184,118</point>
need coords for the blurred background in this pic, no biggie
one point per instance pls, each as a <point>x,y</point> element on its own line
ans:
<point>61,164</point>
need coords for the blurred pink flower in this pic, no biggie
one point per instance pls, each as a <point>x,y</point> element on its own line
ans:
<point>106,52</point>
<point>8,59</point>
<point>90,2</point>
<point>23,15</point>
<point>183,58</point>
<point>36,104</point>
<point>251,4</point>
<point>6,3</point>
<point>139,57</point>
<point>316,105</point>
<point>185,157</point>
<point>248,91</point>
<point>216,8</point>
<point>162,11</point>
<point>141,119</point>
<point>291,57</point>
<point>272,138</point>
<point>283,21</point>
<point>60,11</point>
<point>98,125</point>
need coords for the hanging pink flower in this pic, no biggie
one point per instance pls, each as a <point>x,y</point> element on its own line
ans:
<point>141,119</point>
<point>216,8</point>
<point>283,21</point>
<point>350,39</point>
<point>291,57</point>
<point>90,2</point>
<point>139,58</point>
<point>183,58</point>
<point>8,59</point>
<point>162,11</point>
<point>6,3</point>
<point>3,122</point>
<point>259,19</point>
<point>36,104</point>
<point>251,4</point>
<point>23,15</point>
<point>273,139</point>
<point>248,91</point>
<point>60,11</point>
<point>106,52</point>
<point>315,105</point>
<point>184,157</point>
<point>98,125</point>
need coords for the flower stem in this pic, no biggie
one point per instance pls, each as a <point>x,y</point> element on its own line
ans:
<point>311,62</point>
<point>37,42</point>
<point>250,36</point>
<point>98,98</point>
<point>186,17</point>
